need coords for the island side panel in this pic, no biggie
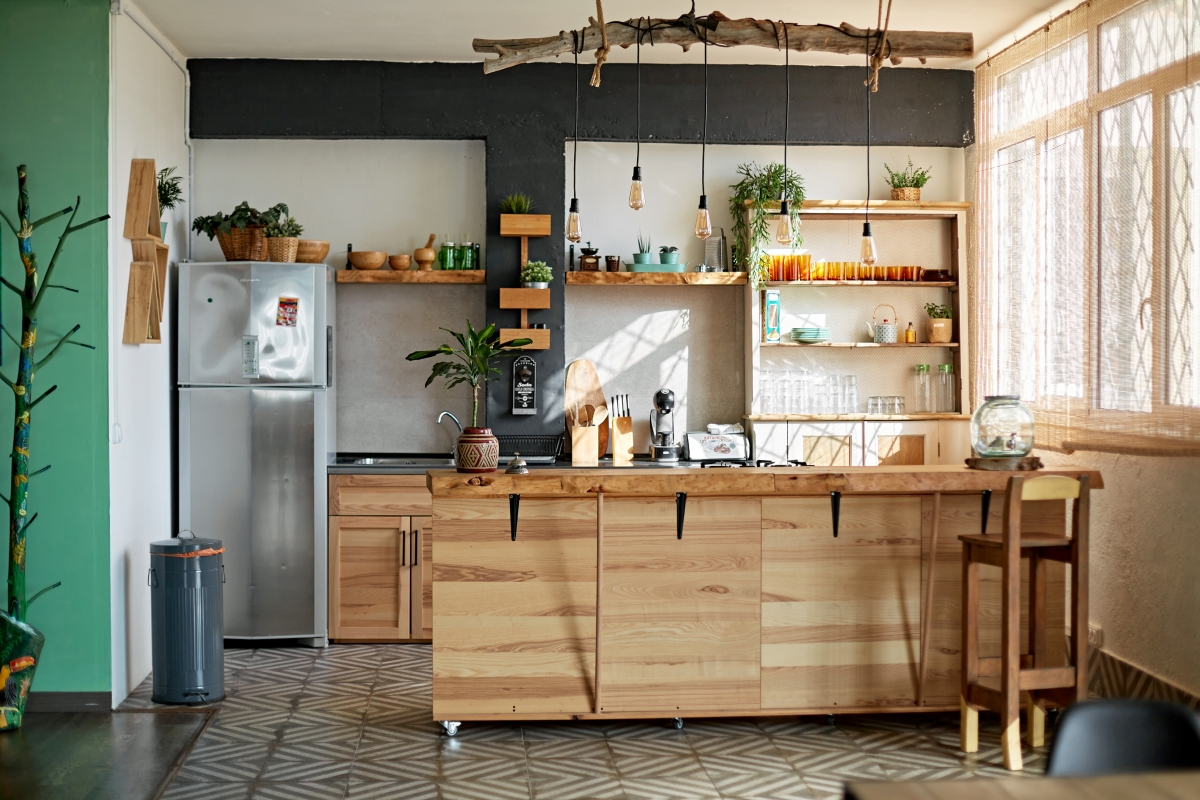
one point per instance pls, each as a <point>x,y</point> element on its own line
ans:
<point>681,615</point>
<point>514,622</point>
<point>841,616</point>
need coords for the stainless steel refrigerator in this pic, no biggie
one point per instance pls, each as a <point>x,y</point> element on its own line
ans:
<point>256,432</point>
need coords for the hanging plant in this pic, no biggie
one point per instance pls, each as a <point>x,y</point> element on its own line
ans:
<point>758,192</point>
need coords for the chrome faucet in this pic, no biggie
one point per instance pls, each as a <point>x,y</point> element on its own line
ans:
<point>453,450</point>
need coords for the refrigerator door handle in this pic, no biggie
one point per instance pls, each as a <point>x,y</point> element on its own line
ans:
<point>328,356</point>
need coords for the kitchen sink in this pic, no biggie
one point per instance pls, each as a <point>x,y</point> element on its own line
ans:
<point>423,462</point>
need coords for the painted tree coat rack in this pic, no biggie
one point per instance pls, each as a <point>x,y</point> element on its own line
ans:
<point>148,272</point>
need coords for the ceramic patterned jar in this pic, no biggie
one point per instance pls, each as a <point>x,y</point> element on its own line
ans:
<point>477,450</point>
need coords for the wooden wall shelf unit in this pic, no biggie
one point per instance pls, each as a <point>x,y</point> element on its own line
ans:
<point>656,278</point>
<point>851,417</point>
<point>148,271</point>
<point>525,226</point>
<point>463,277</point>
<point>865,345</point>
<point>848,284</point>
<point>524,300</point>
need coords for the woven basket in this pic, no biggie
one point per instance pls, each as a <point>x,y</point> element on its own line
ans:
<point>908,194</point>
<point>243,244</point>
<point>283,249</point>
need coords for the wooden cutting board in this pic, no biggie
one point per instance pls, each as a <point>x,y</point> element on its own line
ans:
<point>584,389</point>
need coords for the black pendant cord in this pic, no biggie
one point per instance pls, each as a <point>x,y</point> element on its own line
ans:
<point>575,158</point>
<point>787,105</point>
<point>637,159</point>
<point>704,129</point>
<point>867,203</point>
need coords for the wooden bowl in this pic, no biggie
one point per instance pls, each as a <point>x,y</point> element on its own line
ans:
<point>400,262</point>
<point>367,259</point>
<point>312,251</point>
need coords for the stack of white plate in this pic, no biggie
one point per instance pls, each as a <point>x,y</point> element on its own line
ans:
<point>810,335</point>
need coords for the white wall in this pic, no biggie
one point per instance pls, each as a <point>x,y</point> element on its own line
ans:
<point>147,121</point>
<point>379,195</point>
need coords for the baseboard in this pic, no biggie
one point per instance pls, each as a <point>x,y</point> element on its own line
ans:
<point>68,701</point>
<point>1109,676</point>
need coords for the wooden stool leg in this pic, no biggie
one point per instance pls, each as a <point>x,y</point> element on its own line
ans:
<point>968,727</point>
<point>1010,624</point>
<point>969,718</point>
<point>1037,611</point>
<point>1010,744</point>
<point>1035,731</point>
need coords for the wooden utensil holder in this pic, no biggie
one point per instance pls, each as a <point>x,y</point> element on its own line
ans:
<point>622,440</point>
<point>585,446</point>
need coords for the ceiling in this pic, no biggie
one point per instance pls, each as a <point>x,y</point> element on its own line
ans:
<point>421,30</point>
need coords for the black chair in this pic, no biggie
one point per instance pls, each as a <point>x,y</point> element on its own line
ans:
<point>1101,737</point>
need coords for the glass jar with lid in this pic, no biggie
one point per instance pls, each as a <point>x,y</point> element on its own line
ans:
<point>922,391</point>
<point>944,392</point>
<point>1002,428</point>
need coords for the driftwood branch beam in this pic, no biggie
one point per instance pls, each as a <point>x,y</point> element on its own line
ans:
<point>844,39</point>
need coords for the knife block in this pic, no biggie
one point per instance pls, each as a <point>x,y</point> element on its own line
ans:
<point>622,440</point>
<point>585,446</point>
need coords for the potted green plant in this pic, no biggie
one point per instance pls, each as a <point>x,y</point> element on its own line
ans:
<point>643,255</point>
<point>906,184</point>
<point>473,362</point>
<point>516,203</point>
<point>939,328</point>
<point>536,275</point>
<point>240,233</point>
<point>170,194</point>
<point>753,205</point>
<point>283,239</point>
<point>668,255</point>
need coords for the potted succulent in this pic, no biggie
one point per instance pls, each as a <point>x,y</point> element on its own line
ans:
<point>241,233</point>
<point>939,328</point>
<point>643,255</point>
<point>473,362</point>
<point>668,255</point>
<point>536,275</point>
<point>754,206</point>
<point>517,203</point>
<point>906,184</point>
<point>170,194</point>
<point>283,239</point>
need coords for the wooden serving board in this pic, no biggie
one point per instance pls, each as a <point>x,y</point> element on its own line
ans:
<point>584,389</point>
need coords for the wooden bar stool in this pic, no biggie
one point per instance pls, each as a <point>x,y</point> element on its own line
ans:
<point>1030,673</point>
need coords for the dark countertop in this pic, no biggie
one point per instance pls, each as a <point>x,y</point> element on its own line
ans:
<point>420,464</point>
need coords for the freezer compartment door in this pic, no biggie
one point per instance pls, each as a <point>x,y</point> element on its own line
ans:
<point>248,473</point>
<point>252,323</point>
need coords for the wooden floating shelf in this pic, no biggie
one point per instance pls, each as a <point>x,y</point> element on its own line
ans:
<point>899,284</point>
<point>477,276</point>
<point>857,205</point>
<point>850,417</point>
<point>540,337</point>
<point>656,278</point>
<point>858,344</point>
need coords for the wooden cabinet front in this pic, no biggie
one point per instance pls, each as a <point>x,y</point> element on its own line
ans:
<point>421,548</point>
<point>369,579</point>
<point>680,616</point>
<point>391,495</point>
<point>841,617</point>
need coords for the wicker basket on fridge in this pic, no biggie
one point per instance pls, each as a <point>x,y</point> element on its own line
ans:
<point>283,248</point>
<point>243,244</point>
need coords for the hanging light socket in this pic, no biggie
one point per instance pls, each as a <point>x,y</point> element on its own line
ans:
<point>869,254</point>
<point>637,198</point>
<point>783,233</point>
<point>574,233</point>
<point>703,221</point>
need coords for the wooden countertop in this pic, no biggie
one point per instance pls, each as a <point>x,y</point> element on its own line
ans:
<point>654,482</point>
<point>1151,786</point>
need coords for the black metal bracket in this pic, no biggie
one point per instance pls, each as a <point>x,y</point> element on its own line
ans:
<point>835,499</point>
<point>987,506</point>
<point>680,510</point>
<point>514,505</point>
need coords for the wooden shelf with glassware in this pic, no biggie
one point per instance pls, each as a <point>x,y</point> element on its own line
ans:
<point>951,285</point>
<point>656,278</point>
<point>852,417</point>
<point>449,276</point>
<point>859,344</point>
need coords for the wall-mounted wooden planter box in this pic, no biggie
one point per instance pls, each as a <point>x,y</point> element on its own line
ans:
<point>540,337</point>
<point>525,298</point>
<point>524,224</point>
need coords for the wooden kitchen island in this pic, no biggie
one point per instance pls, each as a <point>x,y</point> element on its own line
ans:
<point>641,592</point>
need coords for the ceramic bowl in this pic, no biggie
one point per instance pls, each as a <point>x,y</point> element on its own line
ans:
<point>312,251</point>
<point>400,262</point>
<point>367,259</point>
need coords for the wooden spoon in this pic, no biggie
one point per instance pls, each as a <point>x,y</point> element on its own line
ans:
<point>587,412</point>
<point>600,415</point>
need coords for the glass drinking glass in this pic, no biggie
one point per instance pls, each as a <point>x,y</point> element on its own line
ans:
<point>819,396</point>
<point>766,392</point>
<point>850,394</point>
<point>818,271</point>
<point>874,404</point>
<point>805,266</point>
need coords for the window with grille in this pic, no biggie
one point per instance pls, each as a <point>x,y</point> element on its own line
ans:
<point>1086,271</point>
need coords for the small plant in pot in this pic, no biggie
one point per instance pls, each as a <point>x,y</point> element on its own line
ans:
<point>283,239</point>
<point>906,184</point>
<point>644,254</point>
<point>939,328</point>
<point>536,275</point>
<point>517,203</point>
<point>473,362</point>
<point>170,194</point>
<point>241,233</point>
<point>668,255</point>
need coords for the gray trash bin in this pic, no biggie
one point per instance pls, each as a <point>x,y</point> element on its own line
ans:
<point>185,580</point>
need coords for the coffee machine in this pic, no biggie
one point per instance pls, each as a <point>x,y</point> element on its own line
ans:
<point>662,428</point>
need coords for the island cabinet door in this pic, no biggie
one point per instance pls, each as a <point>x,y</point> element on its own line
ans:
<point>420,549</point>
<point>680,616</point>
<point>369,590</point>
<point>841,617</point>
<point>514,621</point>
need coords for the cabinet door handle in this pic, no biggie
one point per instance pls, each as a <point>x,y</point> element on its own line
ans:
<point>835,501</point>
<point>514,505</point>
<point>680,512</point>
<point>416,547</point>
<point>403,547</point>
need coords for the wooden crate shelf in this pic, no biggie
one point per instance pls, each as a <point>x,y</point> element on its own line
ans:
<point>525,298</point>
<point>540,337</point>
<point>461,277</point>
<point>656,278</point>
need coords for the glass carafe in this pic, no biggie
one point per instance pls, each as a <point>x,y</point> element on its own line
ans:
<point>922,396</point>
<point>946,395</point>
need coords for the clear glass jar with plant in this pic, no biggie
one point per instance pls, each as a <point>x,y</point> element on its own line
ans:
<point>906,184</point>
<point>536,275</point>
<point>754,200</point>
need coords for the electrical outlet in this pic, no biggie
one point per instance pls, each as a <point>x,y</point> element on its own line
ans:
<point>1095,635</point>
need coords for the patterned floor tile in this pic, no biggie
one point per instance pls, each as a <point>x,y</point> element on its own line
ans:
<point>659,767</point>
<point>921,765</point>
<point>734,746</point>
<point>213,750</point>
<point>278,672</point>
<point>299,791</point>
<point>490,770</point>
<point>563,730</point>
<point>314,751</point>
<point>285,771</point>
<point>576,788</point>
<point>393,790</point>
<point>453,748</point>
<point>643,729</point>
<point>748,763</point>
<point>559,768</point>
<point>347,715</point>
<point>230,770</point>
<point>254,703</point>
<point>783,785</point>
<point>720,727</point>
<point>689,788</point>
<point>397,770</point>
<point>831,782</point>
<point>567,748</point>
<point>875,740</point>
<point>486,732</point>
<point>485,790</point>
<point>678,747</point>
<point>186,790</point>
<point>331,732</point>
<point>795,726</point>
<point>395,733</point>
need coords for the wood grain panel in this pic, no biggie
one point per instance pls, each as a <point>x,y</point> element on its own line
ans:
<point>421,563</point>
<point>902,450</point>
<point>961,514</point>
<point>369,579</point>
<point>515,620</point>
<point>841,617</point>
<point>681,616</point>
<point>386,495</point>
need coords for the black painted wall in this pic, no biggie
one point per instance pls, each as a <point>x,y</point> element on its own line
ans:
<point>526,114</point>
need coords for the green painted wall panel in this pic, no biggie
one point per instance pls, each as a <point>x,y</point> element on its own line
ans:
<point>54,118</point>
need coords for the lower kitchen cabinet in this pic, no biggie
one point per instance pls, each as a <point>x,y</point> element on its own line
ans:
<point>421,531</point>
<point>862,443</point>
<point>369,579</point>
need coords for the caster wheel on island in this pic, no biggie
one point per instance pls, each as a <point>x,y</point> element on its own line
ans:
<point>677,723</point>
<point>451,728</point>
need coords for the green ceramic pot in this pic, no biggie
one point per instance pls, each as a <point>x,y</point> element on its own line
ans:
<point>668,258</point>
<point>643,258</point>
<point>20,649</point>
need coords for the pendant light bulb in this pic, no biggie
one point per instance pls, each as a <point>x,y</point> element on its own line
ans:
<point>783,233</point>
<point>869,254</point>
<point>637,198</point>
<point>703,221</point>
<point>574,233</point>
